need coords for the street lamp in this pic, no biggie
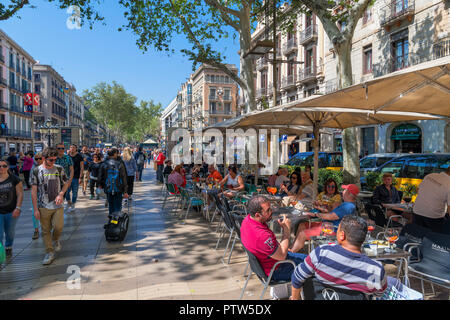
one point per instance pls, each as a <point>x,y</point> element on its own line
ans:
<point>48,129</point>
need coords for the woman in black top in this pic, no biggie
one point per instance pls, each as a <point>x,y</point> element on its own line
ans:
<point>94,168</point>
<point>11,197</point>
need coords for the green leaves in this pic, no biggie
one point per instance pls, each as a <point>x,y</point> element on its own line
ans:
<point>116,109</point>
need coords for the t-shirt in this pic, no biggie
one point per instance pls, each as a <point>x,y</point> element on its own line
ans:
<point>12,160</point>
<point>87,157</point>
<point>77,159</point>
<point>215,175</point>
<point>259,240</point>
<point>281,179</point>
<point>49,183</point>
<point>65,161</point>
<point>434,196</point>
<point>332,200</point>
<point>160,159</point>
<point>335,266</point>
<point>344,209</point>
<point>8,195</point>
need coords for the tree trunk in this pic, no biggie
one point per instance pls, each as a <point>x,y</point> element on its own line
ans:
<point>349,141</point>
<point>247,65</point>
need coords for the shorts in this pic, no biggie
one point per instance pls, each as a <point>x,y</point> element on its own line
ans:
<point>314,230</point>
<point>85,175</point>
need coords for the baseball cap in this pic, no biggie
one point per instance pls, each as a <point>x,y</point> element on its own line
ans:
<point>353,188</point>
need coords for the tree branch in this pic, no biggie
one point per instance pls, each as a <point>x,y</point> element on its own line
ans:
<point>225,12</point>
<point>11,12</point>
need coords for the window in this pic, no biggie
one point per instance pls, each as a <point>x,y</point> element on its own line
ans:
<point>227,95</point>
<point>367,17</point>
<point>400,50</point>
<point>227,106</point>
<point>394,167</point>
<point>367,59</point>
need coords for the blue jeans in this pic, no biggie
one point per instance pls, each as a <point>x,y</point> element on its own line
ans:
<point>140,168</point>
<point>74,188</point>
<point>285,270</point>
<point>7,227</point>
<point>114,202</point>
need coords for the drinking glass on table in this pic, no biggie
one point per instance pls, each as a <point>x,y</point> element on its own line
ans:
<point>370,229</point>
<point>391,235</point>
<point>258,189</point>
<point>327,229</point>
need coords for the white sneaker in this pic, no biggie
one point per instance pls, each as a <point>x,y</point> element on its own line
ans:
<point>49,257</point>
<point>57,246</point>
<point>72,207</point>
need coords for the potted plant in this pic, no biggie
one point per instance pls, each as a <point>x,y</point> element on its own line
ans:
<point>409,191</point>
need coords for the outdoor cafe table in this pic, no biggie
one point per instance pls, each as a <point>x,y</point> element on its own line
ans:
<point>296,216</point>
<point>400,206</point>
<point>378,254</point>
<point>271,198</point>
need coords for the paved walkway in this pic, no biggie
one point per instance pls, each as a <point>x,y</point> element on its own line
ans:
<point>161,258</point>
<point>186,265</point>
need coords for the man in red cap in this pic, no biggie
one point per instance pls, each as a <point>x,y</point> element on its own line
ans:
<point>347,207</point>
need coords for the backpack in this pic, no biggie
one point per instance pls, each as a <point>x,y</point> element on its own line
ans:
<point>113,180</point>
<point>141,159</point>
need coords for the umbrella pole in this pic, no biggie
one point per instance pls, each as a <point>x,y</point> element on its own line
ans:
<point>316,159</point>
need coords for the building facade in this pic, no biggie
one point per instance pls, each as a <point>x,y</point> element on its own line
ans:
<point>392,35</point>
<point>16,79</point>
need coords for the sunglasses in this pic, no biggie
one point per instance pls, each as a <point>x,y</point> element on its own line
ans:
<point>51,160</point>
<point>37,158</point>
<point>331,186</point>
<point>60,148</point>
<point>3,166</point>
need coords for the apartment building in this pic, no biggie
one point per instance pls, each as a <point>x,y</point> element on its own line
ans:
<point>16,79</point>
<point>392,35</point>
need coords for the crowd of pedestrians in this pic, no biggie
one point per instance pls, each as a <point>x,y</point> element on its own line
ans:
<point>54,177</point>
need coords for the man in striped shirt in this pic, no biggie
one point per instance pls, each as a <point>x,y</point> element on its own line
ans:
<point>343,265</point>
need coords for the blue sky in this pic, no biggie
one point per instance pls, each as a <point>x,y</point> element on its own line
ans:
<point>85,57</point>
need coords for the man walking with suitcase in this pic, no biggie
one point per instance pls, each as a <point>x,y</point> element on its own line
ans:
<point>113,180</point>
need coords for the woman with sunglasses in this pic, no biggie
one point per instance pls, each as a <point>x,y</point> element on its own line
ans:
<point>329,199</point>
<point>233,181</point>
<point>292,187</point>
<point>11,197</point>
<point>36,163</point>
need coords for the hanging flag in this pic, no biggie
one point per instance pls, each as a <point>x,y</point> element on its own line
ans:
<point>28,99</point>
<point>36,100</point>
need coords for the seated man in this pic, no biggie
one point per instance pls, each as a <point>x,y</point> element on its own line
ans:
<point>343,265</point>
<point>261,241</point>
<point>346,208</point>
<point>273,178</point>
<point>387,193</point>
<point>213,177</point>
<point>282,178</point>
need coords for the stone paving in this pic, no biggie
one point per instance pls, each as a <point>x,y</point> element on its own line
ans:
<point>161,258</point>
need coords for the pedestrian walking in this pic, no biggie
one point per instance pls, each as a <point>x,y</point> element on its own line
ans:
<point>160,158</point>
<point>113,180</point>
<point>36,163</point>
<point>94,170</point>
<point>49,184</point>
<point>87,157</point>
<point>139,156</point>
<point>12,160</point>
<point>66,162</point>
<point>78,167</point>
<point>26,168</point>
<point>131,166</point>
<point>11,197</point>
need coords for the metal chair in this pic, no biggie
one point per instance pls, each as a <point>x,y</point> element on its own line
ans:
<point>171,191</point>
<point>313,289</point>
<point>433,264</point>
<point>255,267</point>
<point>189,199</point>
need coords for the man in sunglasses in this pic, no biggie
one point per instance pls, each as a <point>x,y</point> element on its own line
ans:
<point>66,162</point>
<point>49,184</point>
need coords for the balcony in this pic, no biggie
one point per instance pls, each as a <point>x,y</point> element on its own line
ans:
<point>220,112</point>
<point>290,46</point>
<point>270,88</point>
<point>288,82</point>
<point>2,58</point>
<point>3,82</point>
<point>395,12</point>
<point>261,93</point>
<point>17,133</point>
<point>261,64</point>
<point>3,105</point>
<point>441,49</point>
<point>17,109</point>
<point>15,86</point>
<point>308,74</point>
<point>309,34</point>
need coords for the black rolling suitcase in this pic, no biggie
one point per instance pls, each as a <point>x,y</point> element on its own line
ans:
<point>117,226</point>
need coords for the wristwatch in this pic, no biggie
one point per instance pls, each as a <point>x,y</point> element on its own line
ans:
<point>19,208</point>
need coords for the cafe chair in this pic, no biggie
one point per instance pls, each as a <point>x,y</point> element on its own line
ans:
<point>171,192</point>
<point>433,264</point>
<point>376,213</point>
<point>190,199</point>
<point>163,187</point>
<point>255,267</point>
<point>313,289</point>
<point>391,223</point>
<point>229,225</point>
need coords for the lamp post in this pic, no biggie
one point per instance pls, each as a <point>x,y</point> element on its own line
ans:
<point>48,129</point>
